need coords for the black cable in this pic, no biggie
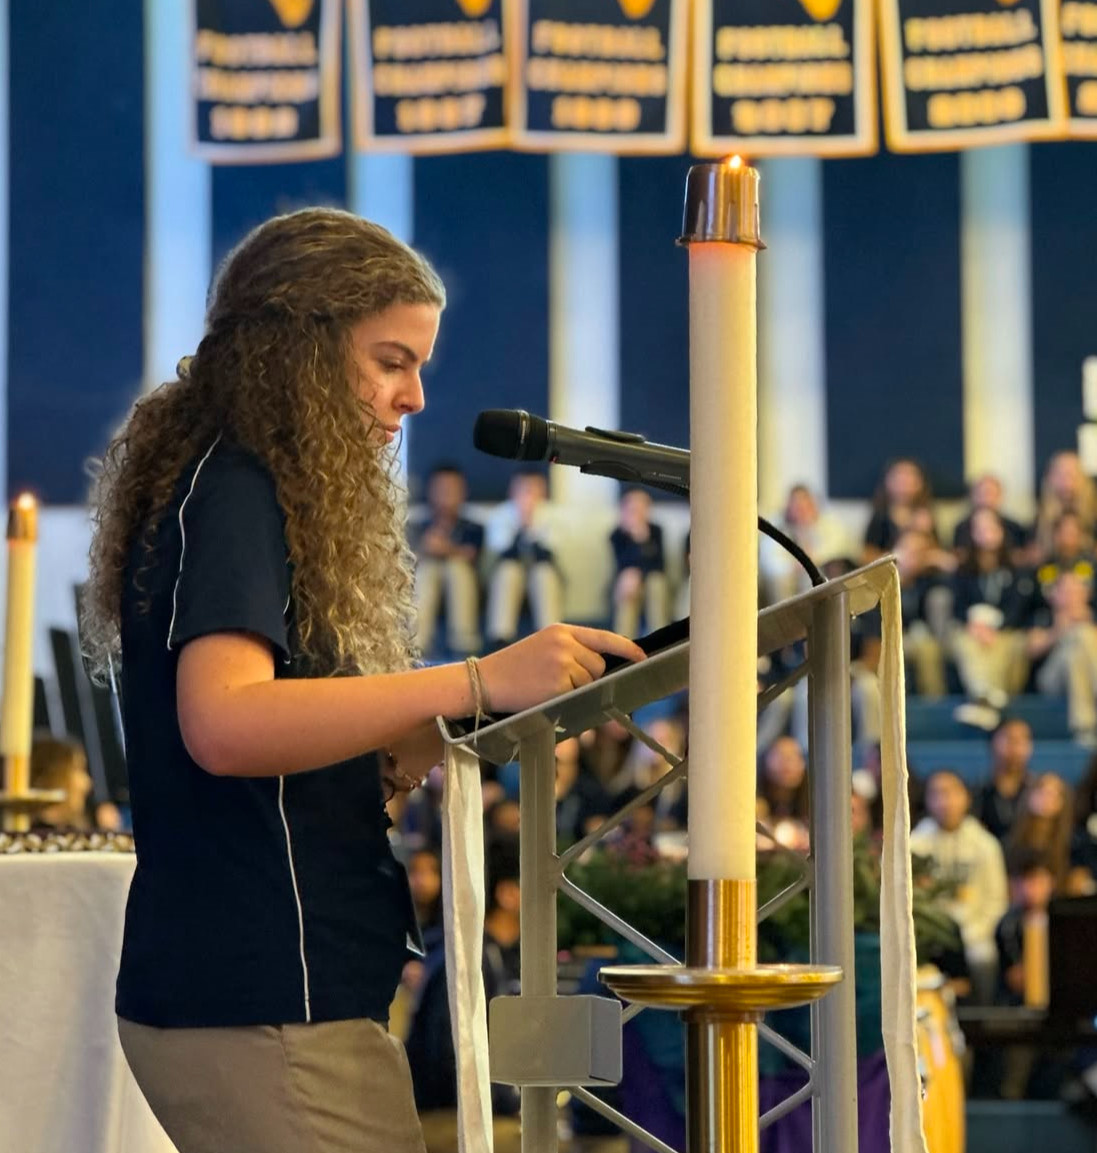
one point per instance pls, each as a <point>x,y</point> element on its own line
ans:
<point>789,545</point>
<point>770,530</point>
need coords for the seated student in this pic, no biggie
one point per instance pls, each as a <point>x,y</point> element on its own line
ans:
<point>581,802</point>
<point>63,766</point>
<point>643,766</point>
<point>920,588</point>
<point>992,606</point>
<point>1045,823</point>
<point>903,500</point>
<point>818,533</point>
<point>640,569</point>
<point>986,492</point>
<point>1031,887</point>
<point>1064,640</point>
<point>783,794</point>
<point>965,857</point>
<point>1071,552</point>
<point>1064,488</point>
<point>447,549</point>
<point>518,534</point>
<point>430,1039</point>
<point>997,803</point>
<point>425,882</point>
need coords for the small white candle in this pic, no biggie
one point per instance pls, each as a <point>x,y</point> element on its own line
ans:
<point>17,710</point>
<point>724,542</point>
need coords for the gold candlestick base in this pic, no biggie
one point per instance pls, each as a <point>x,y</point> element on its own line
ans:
<point>16,809</point>
<point>723,995</point>
<point>735,994</point>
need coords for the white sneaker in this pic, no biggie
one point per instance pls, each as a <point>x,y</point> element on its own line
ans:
<point>996,698</point>
<point>978,714</point>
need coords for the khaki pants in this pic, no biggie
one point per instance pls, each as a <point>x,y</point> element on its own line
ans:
<point>510,582</point>
<point>336,1087</point>
<point>923,651</point>
<point>651,598</point>
<point>1071,667</point>
<point>1001,665</point>
<point>456,579</point>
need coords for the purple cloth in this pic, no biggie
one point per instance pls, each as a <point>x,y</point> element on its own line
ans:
<point>645,1099</point>
<point>792,1133</point>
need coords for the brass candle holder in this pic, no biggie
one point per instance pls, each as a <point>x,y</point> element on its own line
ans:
<point>721,990</point>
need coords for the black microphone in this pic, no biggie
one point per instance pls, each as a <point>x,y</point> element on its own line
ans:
<point>516,435</point>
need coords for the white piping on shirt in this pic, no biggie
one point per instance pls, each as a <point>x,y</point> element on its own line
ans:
<point>183,537</point>
<point>296,897</point>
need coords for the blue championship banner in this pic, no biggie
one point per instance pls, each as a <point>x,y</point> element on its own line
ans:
<point>1078,24</point>
<point>265,80</point>
<point>963,73</point>
<point>429,75</point>
<point>784,78</point>
<point>600,75</point>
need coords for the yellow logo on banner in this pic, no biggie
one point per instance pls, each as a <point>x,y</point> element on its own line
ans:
<point>474,8</point>
<point>821,9</point>
<point>635,9</point>
<point>293,13</point>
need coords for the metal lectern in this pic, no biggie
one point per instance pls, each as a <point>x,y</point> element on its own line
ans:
<point>542,1042</point>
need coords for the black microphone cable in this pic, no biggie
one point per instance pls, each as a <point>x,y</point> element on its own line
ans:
<point>773,532</point>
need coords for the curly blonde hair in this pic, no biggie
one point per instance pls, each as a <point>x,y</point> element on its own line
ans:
<point>274,374</point>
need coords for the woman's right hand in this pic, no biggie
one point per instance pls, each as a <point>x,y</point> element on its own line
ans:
<point>554,660</point>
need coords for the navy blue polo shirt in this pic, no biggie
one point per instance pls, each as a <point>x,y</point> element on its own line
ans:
<point>646,555</point>
<point>267,900</point>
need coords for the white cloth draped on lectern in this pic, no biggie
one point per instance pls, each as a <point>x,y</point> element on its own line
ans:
<point>463,905</point>
<point>898,963</point>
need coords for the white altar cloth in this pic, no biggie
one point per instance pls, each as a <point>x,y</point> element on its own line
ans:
<point>64,1083</point>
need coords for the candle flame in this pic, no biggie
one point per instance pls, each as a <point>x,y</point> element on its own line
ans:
<point>736,162</point>
<point>26,500</point>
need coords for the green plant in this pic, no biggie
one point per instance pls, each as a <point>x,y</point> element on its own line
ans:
<point>650,894</point>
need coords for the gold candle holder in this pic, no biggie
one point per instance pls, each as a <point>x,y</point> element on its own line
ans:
<point>722,994</point>
<point>721,991</point>
<point>18,802</point>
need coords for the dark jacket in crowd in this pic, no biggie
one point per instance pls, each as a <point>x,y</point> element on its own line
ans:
<point>1012,591</point>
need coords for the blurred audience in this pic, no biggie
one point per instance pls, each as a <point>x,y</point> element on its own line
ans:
<point>997,803</point>
<point>1064,641</point>
<point>1045,824</point>
<point>1065,488</point>
<point>62,766</point>
<point>924,610</point>
<point>1031,886</point>
<point>969,860</point>
<point>581,801</point>
<point>992,604</point>
<point>903,500</point>
<point>447,547</point>
<point>784,794</point>
<point>818,533</point>
<point>640,570</point>
<point>985,492</point>
<point>519,536</point>
<point>1071,552</point>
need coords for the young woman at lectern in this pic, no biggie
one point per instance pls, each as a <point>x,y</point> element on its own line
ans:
<point>249,560</point>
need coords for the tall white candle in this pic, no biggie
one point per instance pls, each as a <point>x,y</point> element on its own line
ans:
<point>17,710</point>
<point>724,542</point>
